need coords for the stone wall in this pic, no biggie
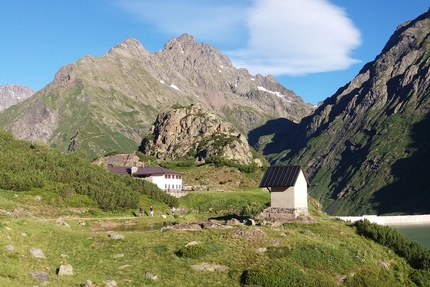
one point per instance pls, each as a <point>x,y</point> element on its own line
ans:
<point>283,213</point>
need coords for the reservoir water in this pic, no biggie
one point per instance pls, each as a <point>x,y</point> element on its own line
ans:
<point>416,232</point>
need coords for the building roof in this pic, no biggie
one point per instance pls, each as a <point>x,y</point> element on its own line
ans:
<point>281,176</point>
<point>141,170</point>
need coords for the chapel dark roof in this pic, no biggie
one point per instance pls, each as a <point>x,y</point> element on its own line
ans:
<point>281,176</point>
<point>142,171</point>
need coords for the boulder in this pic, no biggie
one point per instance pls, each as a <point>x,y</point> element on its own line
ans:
<point>150,276</point>
<point>36,252</point>
<point>110,283</point>
<point>40,276</point>
<point>115,235</point>
<point>204,266</point>
<point>89,283</point>
<point>61,221</point>
<point>65,270</point>
<point>10,248</point>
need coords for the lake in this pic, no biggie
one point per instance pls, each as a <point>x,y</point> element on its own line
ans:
<point>417,232</point>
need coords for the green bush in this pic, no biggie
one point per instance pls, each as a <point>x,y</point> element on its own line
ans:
<point>416,255</point>
<point>220,161</point>
<point>420,277</point>
<point>78,200</point>
<point>286,276</point>
<point>193,251</point>
<point>26,166</point>
<point>199,250</point>
<point>252,208</point>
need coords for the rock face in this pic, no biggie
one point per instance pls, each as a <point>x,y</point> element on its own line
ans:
<point>112,101</point>
<point>193,132</point>
<point>366,147</point>
<point>13,94</point>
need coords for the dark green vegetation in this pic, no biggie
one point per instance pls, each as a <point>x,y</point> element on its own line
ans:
<point>415,254</point>
<point>365,149</point>
<point>33,166</point>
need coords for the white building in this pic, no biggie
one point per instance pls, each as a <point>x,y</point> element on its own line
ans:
<point>288,187</point>
<point>166,179</point>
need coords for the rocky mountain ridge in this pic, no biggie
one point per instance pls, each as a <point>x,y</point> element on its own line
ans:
<point>12,94</point>
<point>366,147</point>
<point>113,100</point>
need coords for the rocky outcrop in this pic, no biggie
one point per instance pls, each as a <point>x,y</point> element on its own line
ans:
<point>119,160</point>
<point>12,94</point>
<point>193,132</point>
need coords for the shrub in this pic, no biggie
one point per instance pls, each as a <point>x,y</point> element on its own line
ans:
<point>252,208</point>
<point>284,277</point>
<point>199,250</point>
<point>416,255</point>
<point>78,200</point>
<point>192,251</point>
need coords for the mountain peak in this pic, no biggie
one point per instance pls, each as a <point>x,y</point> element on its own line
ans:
<point>128,45</point>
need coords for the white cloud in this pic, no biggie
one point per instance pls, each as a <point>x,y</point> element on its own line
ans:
<point>278,37</point>
<point>297,37</point>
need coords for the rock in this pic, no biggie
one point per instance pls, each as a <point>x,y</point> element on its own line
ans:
<point>383,264</point>
<point>36,252</point>
<point>191,243</point>
<point>89,283</point>
<point>261,249</point>
<point>118,255</point>
<point>65,270</point>
<point>110,283</point>
<point>10,248</point>
<point>40,276</point>
<point>150,276</point>
<point>204,266</point>
<point>24,234</point>
<point>178,131</point>
<point>61,221</point>
<point>115,235</point>
<point>124,266</point>
<point>340,278</point>
<point>233,222</point>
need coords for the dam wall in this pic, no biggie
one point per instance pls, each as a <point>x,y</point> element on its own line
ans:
<point>390,220</point>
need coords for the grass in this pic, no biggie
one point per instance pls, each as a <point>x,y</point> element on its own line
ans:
<point>318,252</point>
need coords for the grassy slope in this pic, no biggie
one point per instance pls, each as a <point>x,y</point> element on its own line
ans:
<point>323,250</point>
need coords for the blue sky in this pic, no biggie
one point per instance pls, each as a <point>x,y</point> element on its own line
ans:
<point>312,47</point>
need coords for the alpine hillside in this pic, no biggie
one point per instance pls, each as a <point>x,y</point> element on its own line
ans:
<point>110,102</point>
<point>366,148</point>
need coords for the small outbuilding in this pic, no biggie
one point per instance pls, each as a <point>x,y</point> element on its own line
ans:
<point>288,187</point>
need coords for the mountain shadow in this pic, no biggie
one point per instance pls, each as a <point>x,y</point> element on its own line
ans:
<point>410,192</point>
<point>281,132</point>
